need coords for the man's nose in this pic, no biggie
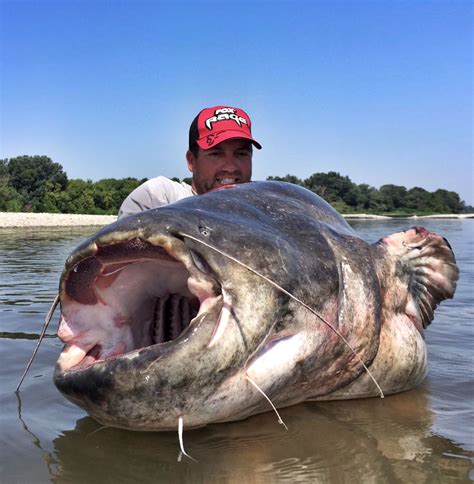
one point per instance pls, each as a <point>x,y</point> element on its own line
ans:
<point>229,163</point>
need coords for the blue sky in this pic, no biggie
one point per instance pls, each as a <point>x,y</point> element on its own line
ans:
<point>380,91</point>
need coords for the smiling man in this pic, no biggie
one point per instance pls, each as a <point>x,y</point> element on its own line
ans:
<point>220,153</point>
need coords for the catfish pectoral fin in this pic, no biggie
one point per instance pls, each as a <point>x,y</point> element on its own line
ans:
<point>417,270</point>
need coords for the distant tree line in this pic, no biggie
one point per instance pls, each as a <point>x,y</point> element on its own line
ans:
<point>348,197</point>
<point>37,184</point>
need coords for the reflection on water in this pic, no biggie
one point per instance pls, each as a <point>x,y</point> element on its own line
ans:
<point>363,441</point>
<point>424,435</point>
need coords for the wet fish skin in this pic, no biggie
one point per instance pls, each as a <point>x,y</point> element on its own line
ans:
<point>296,239</point>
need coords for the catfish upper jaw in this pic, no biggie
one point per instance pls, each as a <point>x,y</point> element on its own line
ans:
<point>122,297</point>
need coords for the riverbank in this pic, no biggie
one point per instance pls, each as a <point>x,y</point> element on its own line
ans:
<point>22,219</point>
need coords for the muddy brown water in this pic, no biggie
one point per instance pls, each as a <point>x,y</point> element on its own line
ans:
<point>424,435</point>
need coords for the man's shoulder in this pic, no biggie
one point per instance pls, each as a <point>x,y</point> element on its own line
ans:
<point>171,189</point>
<point>155,193</point>
<point>161,190</point>
<point>164,182</point>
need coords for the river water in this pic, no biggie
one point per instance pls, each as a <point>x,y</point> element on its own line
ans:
<point>424,435</point>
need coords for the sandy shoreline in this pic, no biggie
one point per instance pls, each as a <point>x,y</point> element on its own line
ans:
<point>21,219</point>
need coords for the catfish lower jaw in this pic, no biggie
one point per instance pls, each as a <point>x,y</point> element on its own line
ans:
<point>114,306</point>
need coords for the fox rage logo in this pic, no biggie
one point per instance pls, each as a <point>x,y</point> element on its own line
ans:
<point>225,114</point>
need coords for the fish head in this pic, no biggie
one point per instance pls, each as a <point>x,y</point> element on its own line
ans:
<point>157,324</point>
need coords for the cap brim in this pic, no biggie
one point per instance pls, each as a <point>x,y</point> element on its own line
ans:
<point>224,136</point>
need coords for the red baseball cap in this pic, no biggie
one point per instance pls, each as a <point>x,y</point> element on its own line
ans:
<point>220,123</point>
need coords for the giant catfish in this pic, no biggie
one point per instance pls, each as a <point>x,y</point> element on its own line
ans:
<point>201,310</point>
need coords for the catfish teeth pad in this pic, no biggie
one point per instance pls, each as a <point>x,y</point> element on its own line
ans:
<point>172,313</point>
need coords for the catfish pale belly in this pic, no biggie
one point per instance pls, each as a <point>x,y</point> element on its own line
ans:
<point>169,314</point>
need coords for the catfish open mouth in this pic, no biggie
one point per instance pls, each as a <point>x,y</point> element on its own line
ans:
<point>131,295</point>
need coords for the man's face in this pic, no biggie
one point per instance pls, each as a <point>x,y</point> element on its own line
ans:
<point>226,163</point>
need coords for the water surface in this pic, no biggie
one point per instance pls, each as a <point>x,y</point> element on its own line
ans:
<point>424,435</point>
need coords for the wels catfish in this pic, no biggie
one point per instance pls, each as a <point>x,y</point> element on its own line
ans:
<point>215,307</point>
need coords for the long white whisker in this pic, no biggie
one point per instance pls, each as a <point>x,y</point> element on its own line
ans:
<point>98,430</point>
<point>280,420</point>
<point>274,284</point>
<point>115,271</point>
<point>43,332</point>
<point>180,437</point>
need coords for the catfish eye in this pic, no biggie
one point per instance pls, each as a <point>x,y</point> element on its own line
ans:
<point>206,231</point>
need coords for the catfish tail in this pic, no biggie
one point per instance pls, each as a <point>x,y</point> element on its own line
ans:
<point>417,270</point>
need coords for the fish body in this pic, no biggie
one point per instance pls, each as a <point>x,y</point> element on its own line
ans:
<point>195,309</point>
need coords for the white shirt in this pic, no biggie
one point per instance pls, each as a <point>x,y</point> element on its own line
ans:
<point>154,193</point>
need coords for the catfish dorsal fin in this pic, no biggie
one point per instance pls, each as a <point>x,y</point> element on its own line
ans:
<point>417,270</point>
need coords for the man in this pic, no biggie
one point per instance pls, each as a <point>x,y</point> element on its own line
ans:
<point>219,154</point>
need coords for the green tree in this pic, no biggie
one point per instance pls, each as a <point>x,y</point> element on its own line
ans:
<point>331,186</point>
<point>417,199</point>
<point>350,197</point>
<point>55,199</point>
<point>29,176</point>
<point>444,201</point>
<point>4,168</point>
<point>109,193</point>
<point>467,208</point>
<point>104,195</point>
<point>10,199</point>
<point>79,197</point>
<point>378,203</point>
<point>364,195</point>
<point>394,196</point>
<point>288,178</point>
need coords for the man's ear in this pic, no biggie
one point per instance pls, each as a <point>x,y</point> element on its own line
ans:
<point>190,159</point>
